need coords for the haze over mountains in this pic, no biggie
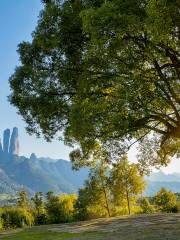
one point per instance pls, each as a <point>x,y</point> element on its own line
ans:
<point>159,179</point>
<point>35,174</point>
<point>45,174</point>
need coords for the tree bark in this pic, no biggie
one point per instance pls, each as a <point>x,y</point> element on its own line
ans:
<point>127,197</point>
<point>107,204</point>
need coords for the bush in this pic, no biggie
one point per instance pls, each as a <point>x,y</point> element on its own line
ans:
<point>96,211</point>
<point>41,219</point>
<point>61,208</point>
<point>16,217</point>
<point>178,206</point>
<point>165,201</point>
<point>146,206</point>
<point>67,209</point>
<point>1,220</point>
<point>175,209</point>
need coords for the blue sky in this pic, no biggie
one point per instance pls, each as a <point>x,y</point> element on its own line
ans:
<point>18,19</point>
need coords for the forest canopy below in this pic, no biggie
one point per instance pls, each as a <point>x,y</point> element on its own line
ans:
<point>107,74</point>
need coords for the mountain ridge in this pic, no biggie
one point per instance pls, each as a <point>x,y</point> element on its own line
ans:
<point>37,174</point>
<point>46,174</point>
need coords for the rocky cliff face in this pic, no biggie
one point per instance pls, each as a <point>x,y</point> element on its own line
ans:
<point>1,150</point>
<point>6,137</point>
<point>14,143</point>
<point>35,174</point>
<point>33,157</point>
<point>10,145</point>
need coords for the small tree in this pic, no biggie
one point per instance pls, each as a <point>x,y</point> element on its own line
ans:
<point>20,215</point>
<point>53,208</point>
<point>67,209</point>
<point>49,195</point>
<point>126,183</point>
<point>165,200</point>
<point>60,208</point>
<point>82,203</point>
<point>23,200</point>
<point>40,213</point>
<point>146,206</point>
<point>38,202</point>
<point>96,193</point>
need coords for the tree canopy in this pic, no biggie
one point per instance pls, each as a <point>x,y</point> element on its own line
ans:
<point>103,72</point>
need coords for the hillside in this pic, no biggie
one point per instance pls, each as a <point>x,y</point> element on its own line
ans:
<point>146,227</point>
<point>35,174</point>
<point>40,175</point>
<point>159,179</point>
<point>44,174</point>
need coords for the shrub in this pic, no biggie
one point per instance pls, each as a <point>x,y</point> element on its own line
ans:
<point>40,218</point>
<point>178,206</point>
<point>146,206</point>
<point>16,217</point>
<point>67,210</point>
<point>53,209</point>
<point>96,211</point>
<point>1,220</point>
<point>165,201</point>
<point>61,208</point>
<point>175,209</point>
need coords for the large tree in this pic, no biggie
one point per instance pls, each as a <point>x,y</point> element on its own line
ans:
<point>103,72</point>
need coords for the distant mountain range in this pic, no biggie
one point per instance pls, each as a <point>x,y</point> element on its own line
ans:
<point>42,175</point>
<point>35,174</point>
<point>45,174</point>
<point>159,179</point>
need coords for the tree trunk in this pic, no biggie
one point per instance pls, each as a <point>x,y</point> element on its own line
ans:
<point>107,205</point>
<point>127,197</point>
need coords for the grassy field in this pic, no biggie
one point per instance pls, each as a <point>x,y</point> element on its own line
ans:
<point>146,227</point>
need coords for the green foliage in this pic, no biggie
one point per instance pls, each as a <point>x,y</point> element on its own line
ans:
<point>165,201</point>
<point>81,205</point>
<point>1,220</point>
<point>16,217</point>
<point>177,196</point>
<point>40,213</point>
<point>126,183</point>
<point>38,201</point>
<point>60,208</point>
<point>53,209</point>
<point>41,218</point>
<point>67,202</point>
<point>23,200</point>
<point>110,191</point>
<point>112,66</point>
<point>146,206</point>
<point>94,199</point>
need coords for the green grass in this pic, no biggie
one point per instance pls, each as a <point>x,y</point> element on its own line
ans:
<point>30,235</point>
<point>41,235</point>
<point>146,227</point>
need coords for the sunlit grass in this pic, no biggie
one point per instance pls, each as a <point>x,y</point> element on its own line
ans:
<point>144,226</point>
<point>30,235</point>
